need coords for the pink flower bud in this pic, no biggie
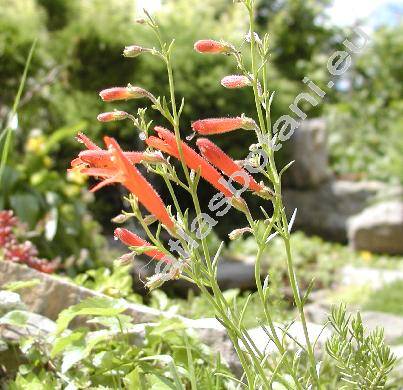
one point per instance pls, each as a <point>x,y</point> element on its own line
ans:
<point>123,93</point>
<point>235,81</point>
<point>112,116</point>
<point>213,47</point>
<point>223,125</point>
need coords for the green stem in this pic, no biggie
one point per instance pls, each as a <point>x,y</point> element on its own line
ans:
<point>300,307</point>
<point>277,190</point>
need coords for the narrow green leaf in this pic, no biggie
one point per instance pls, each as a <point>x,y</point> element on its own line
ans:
<point>20,284</point>
<point>8,131</point>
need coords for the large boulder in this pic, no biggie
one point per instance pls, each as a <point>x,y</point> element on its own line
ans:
<point>308,149</point>
<point>378,228</point>
<point>52,294</point>
<point>326,210</point>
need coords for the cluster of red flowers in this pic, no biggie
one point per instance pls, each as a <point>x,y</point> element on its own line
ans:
<point>112,165</point>
<point>20,252</point>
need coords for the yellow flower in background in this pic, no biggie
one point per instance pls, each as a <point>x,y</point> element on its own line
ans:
<point>366,256</point>
<point>75,176</point>
<point>35,142</point>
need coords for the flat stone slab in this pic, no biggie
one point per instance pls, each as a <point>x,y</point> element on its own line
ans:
<point>53,294</point>
<point>378,228</point>
<point>376,278</point>
<point>392,324</point>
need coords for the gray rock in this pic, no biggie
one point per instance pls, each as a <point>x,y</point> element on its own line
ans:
<point>378,228</point>
<point>317,313</point>
<point>374,277</point>
<point>54,294</point>
<point>392,324</point>
<point>308,148</point>
<point>398,351</point>
<point>325,211</point>
<point>10,301</point>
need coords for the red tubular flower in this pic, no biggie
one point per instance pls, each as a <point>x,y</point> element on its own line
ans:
<point>101,158</point>
<point>134,181</point>
<point>167,143</point>
<point>212,47</point>
<point>113,166</point>
<point>130,239</point>
<point>96,157</point>
<point>124,93</point>
<point>83,139</point>
<point>235,81</point>
<point>223,125</point>
<point>224,163</point>
<point>112,116</point>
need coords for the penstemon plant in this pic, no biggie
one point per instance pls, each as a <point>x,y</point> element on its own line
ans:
<point>187,254</point>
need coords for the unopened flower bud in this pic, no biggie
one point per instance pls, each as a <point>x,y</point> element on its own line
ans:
<point>141,93</point>
<point>126,259</point>
<point>235,234</point>
<point>124,93</point>
<point>121,218</point>
<point>212,47</point>
<point>265,193</point>
<point>112,116</point>
<point>133,51</point>
<point>149,219</point>
<point>223,125</point>
<point>235,81</point>
<point>240,204</point>
<point>248,123</point>
<point>154,157</point>
<point>155,281</point>
<point>134,203</point>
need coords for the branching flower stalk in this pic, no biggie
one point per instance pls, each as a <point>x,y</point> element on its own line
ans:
<point>193,261</point>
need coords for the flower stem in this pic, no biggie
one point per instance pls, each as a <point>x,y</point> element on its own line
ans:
<point>278,203</point>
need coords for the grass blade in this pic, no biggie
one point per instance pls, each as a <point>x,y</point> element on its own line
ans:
<point>7,132</point>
